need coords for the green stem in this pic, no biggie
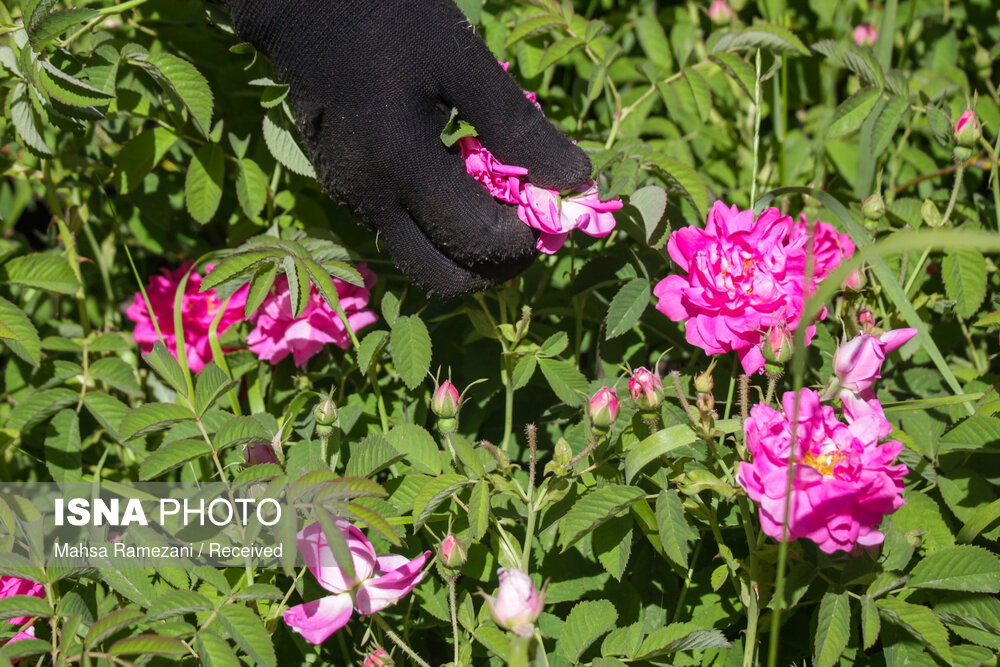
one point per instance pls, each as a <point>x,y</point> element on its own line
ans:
<point>517,651</point>
<point>398,641</point>
<point>454,615</point>
<point>994,153</point>
<point>508,408</point>
<point>732,390</point>
<point>756,133</point>
<point>959,172</point>
<point>123,7</point>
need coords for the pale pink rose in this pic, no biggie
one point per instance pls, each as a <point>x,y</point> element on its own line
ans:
<point>517,603</point>
<point>198,309</point>
<point>603,407</point>
<point>378,582</point>
<point>844,481</point>
<point>858,362</point>
<point>10,585</point>
<point>277,333</point>
<point>720,12</point>
<point>742,277</point>
<point>865,34</point>
<point>555,216</point>
<point>452,552</point>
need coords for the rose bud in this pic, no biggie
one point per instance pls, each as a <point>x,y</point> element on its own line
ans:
<point>378,658</point>
<point>858,362</point>
<point>446,401</point>
<point>873,208</point>
<point>645,389</point>
<point>325,412</point>
<point>867,320</point>
<point>517,603</point>
<point>603,408</point>
<point>777,348</point>
<point>719,12</point>
<point>968,130</point>
<point>451,552</point>
<point>865,34</point>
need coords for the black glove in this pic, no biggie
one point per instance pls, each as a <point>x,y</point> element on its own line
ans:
<point>371,85</point>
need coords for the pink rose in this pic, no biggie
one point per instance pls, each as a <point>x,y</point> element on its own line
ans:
<point>501,180</point>
<point>517,603</point>
<point>603,408</point>
<point>828,248</point>
<point>720,12</point>
<point>446,400</point>
<point>378,582</point>
<point>865,34</point>
<point>645,389</point>
<point>843,485</point>
<point>197,312</point>
<point>277,333</point>
<point>967,129</point>
<point>10,585</point>
<point>858,362</point>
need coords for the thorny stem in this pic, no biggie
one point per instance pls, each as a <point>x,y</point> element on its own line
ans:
<point>398,641</point>
<point>756,133</point>
<point>529,534</point>
<point>675,377</point>
<point>454,613</point>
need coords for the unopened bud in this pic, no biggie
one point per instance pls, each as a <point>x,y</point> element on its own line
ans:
<point>930,213</point>
<point>452,553</point>
<point>720,12</point>
<point>703,382</point>
<point>874,207</point>
<point>968,131</point>
<point>378,658</point>
<point>645,389</point>
<point>867,321</point>
<point>446,401</point>
<point>777,346</point>
<point>865,34</point>
<point>563,453</point>
<point>603,408</point>
<point>325,412</point>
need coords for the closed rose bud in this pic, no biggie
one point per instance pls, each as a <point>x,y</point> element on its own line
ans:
<point>867,320</point>
<point>451,552</point>
<point>930,213</point>
<point>603,408</point>
<point>968,130</point>
<point>378,658</point>
<point>865,34</point>
<point>703,382</point>
<point>645,389</point>
<point>874,207</point>
<point>719,12</point>
<point>325,412</point>
<point>254,455</point>
<point>777,346</point>
<point>517,603</point>
<point>446,400</point>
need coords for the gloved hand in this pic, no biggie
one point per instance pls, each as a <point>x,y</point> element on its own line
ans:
<point>371,85</point>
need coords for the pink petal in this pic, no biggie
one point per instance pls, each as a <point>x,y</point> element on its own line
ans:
<point>893,339</point>
<point>375,595</point>
<point>319,619</point>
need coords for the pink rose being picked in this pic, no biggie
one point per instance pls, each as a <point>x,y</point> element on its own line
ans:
<point>198,310</point>
<point>517,603</point>
<point>378,582</point>
<point>844,481</point>
<point>277,333</point>
<point>744,275</point>
<point>9,586</point>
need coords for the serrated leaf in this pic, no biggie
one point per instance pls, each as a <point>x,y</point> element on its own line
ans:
<point>682,179</point>
<point>719,576</point>
<point>259,592</point>
<point>148,645</point>
<point>178,603</point>
<point>737,68</point>
<point>627,307</point>
<point>166,366</point>
<point>62,447</point>
<point>623,641</point>
<point>554,345</point>
<point>920,622</point>
<point>190,86</point>
<point>887,123</point>
<point>586,622</point>
<point>55,23</point>
<point>833,629</point>
<point>107,410</point>
<point>558,50</point>
<point>138,157</point>
<point>283,146</point>
<point>298,284</point>
<point>212,384</point>
<point>651,202</point>
<point>249,633</point>
<point>27,344</point>
<point>418,446</point>
<point>43,270</point>
<point>236,265</point>
<point>260,287</point>
<point>479,511</point>
<point>673,528</point>
<point>700,90</point>
<point>533,25</point>
<point>203,183</point>
<point>762,36</point>
<point>656,445</point>
<point>214,651</point>
<point>372,454</point>
<point>523,371</point>
<point>411,349</point>
<point>680,637</point>
<point>68,89</point>
<point>432,494</point>
<point>251,187</point>
<point>964,273</point>
<point>117,374</point>
<point>371,349</point>
<point>612,544</point>
<point>959,568</point>
<point>858,60</point>
<point>38,406</point>
<point>565,379</point>
<point>23,605</point>
<point>111,623</point>
<point>852,113</point>
<point>973,433</point>
<point>871,625</point>
<point>593,509</point>
<point>22,117</point>
<point>172,455</point>
<point>151,417</point>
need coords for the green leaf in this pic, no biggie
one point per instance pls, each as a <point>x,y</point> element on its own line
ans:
<point>116,374</point>
<point>964,273</point>
<point>138,157</point>
<point>283,146</point>
<point>680,637</point>
<point>22,648</point>
<point>249,633</point>
<point>593,509</point>
<point>251,187</point>
<point>852,113</point>
<point>43,270</point>
<point>235,265</point>
<point>960,568</point>
<point>558,50</point>
<point>240,431</point>
<point>418,446</point>
<point>479,511</point>
<point>533,25</point>
<point>700,90</point>
<point>673,528</point>
<point>203,184</point>
<point>656,445</point>
<point>854,58</point>
<point>55,23</point>
<point>887,124</point>
<point>38,406</point>
<point>468,455</point>
<point>178,603</point>
<point>22,117</point>
<point>682,179</point>
<point>107,410</point>
<point>172,455</point>
<point>298,284</point>
<point>62,447</point>
<point>27,344</point>
<point>23,605</point>
<point>627,307</point>
<point>833,629</point>
<point>920,622</point>
<point>214,651</point>
<point>651,202</point>
<point>111,623</point>
<point>623,641</point>
<point>983,517</point>
<point>370,350</point>
<point>260,592</point>
<point>148,645</point>
<point>523,370</point>
<point>611,542</point>
<point>434,492</point>
<point>974,433</point>
<point>554,345</point>
<point>372,454</point>
<point>151,417</point>
<point>212,384</point>
<point>566,380</point>
<point>585,624</point>
<point>390,308</point>
<point>871,625</point>
<point>184,79</point>
<point>737,68</point>
<point>761,36</point>
<point>973,617</point>
<point>653,40</point>
<point>166,366</point>
<point>411,349</point>
<point>260,287</point>
<point>64,87</point>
